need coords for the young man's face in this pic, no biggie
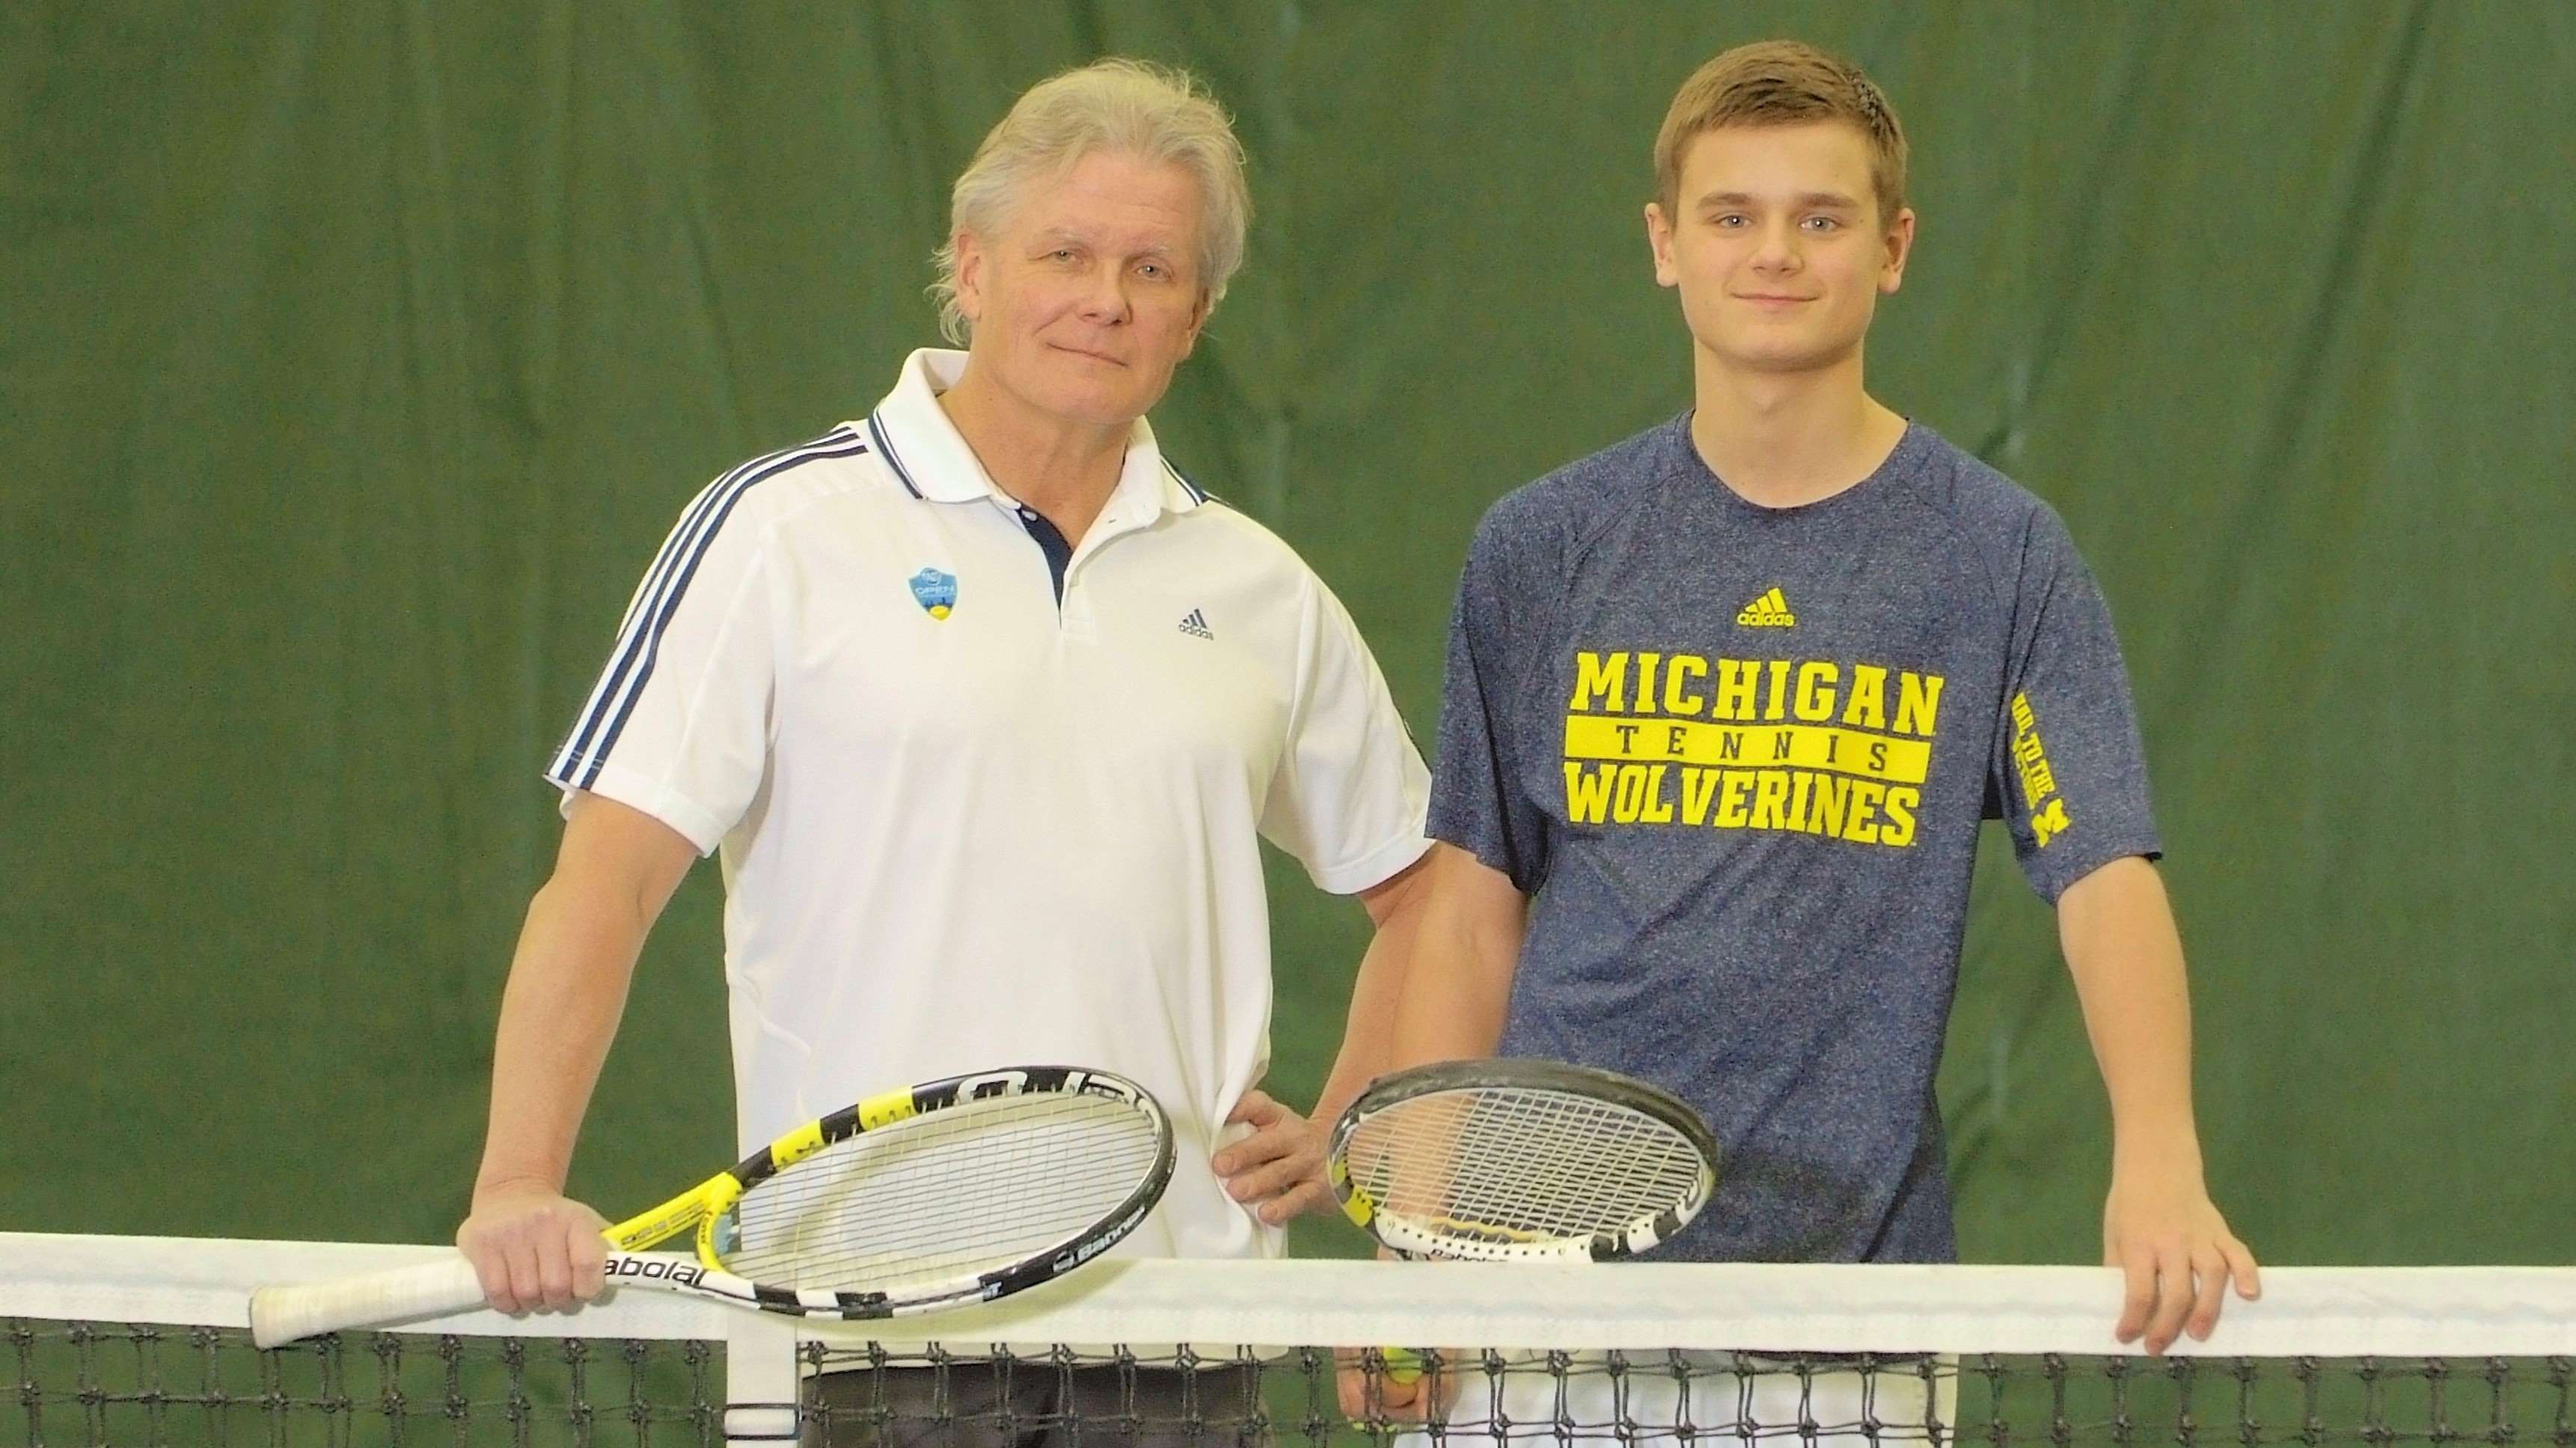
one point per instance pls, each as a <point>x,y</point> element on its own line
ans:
<point>1776,244</point>
<point>1089,295</point>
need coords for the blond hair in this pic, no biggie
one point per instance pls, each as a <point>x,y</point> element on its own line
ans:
<point>1129,106</point>
<point>1782,83</point>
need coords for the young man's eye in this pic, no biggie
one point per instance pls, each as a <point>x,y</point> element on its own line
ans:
<point>1823,223</point>
<point>1731,221</point>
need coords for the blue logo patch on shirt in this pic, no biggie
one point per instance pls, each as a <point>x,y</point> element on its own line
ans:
<point>935,591</point>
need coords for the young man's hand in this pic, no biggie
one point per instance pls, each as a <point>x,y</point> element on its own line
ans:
<point>2159,1226</point>
<point>2163,1232</point>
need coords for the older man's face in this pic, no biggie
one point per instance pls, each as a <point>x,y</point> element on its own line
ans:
<point>1090,293</point>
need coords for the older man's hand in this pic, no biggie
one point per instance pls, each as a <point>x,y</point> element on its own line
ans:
<point>1277,1170</point>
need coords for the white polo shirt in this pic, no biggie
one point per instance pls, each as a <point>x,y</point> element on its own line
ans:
<point>986,801</point>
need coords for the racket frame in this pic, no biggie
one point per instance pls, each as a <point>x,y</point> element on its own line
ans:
<point>1412,1238</point>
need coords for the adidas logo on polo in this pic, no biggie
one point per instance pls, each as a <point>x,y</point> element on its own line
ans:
<point>1769,610</point>
<point>1194,623</point>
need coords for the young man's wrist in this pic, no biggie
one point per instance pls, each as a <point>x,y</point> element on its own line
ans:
<point>2160,1151</point>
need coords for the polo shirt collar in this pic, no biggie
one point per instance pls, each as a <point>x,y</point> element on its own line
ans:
<point>925,452</point>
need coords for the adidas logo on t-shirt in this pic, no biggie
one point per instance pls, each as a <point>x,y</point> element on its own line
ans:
<point>1769,610</point>
<point>1194,623</point>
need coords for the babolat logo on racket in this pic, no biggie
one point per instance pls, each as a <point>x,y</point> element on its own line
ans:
<point>1089,1084</point>
<point>656,1269</point>
<point>1483,1231</point>
<point>1082,1252</point>
<point>1090,1247</point>
<point>1013,1083</point>
<point>994,1083</point>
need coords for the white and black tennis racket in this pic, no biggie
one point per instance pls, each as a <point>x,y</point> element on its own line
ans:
<point>936,1195</point>
<point>1520,1161</point>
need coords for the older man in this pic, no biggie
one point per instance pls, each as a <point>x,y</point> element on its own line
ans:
<point>986,704</point>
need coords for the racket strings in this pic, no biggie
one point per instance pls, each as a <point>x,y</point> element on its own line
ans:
<point>958,1192</point>
<point>1524,1163</point>
<point>1594,1148</point>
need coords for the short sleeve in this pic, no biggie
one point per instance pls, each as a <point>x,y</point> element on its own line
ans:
<point>678,724</point>
<point>1475,803</point>
<point>2069,770</point>
<point>1349,794</point>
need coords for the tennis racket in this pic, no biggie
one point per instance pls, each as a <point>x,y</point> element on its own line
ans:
<point>1520,1161</point>
<point>933,1196</point>
<point>1517,1161</point>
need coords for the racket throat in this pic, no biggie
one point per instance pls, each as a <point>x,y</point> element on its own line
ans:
<point>699,1210</point>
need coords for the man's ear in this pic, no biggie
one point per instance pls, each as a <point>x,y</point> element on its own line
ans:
<point>1900,247</point>
<point>1198,324</point>
<point>1659,241</point>
<point>969,250</point>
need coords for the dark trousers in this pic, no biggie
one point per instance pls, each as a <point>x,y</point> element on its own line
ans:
<point>1036,1404</point>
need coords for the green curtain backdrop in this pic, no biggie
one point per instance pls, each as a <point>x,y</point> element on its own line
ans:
<point>356,355</point>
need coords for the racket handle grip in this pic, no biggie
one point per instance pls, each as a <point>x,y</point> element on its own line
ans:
<point>283,1314</point>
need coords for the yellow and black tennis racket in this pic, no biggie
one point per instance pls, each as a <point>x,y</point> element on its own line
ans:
<point>937,1195</point>
<point>1520,1161</point>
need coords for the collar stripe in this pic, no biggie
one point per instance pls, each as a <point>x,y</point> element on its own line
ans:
<point>885,449</point>
<point>640,635</point>
<point>1197,493</point>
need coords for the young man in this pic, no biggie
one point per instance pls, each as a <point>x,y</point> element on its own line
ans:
<point>1726,704</point>
<point>987,707</point>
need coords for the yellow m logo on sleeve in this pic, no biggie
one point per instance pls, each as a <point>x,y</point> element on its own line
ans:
<point>2050,822</point>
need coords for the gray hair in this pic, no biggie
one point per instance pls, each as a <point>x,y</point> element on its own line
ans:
<point>1130,106</point>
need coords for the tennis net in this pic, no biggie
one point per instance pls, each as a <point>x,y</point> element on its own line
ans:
<point>139,1341</point>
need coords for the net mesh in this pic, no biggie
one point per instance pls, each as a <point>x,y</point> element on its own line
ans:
<point>140,1342</point>
<point>1467,1397</point>
<point>976,1187</point>
<point>1522,1163</point>
<point>144,1384</point>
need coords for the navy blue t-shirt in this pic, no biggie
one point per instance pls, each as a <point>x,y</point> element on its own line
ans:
<point>1737,756</point>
